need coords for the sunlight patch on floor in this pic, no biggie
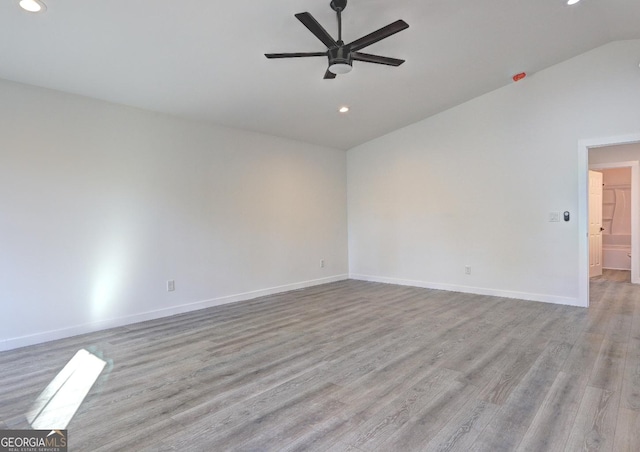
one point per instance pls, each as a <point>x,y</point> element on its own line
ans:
<point>56,405</point>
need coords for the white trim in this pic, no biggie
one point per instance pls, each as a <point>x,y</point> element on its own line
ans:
<point>471,290</point>
<point>23,341</point>
<point>583,211</point>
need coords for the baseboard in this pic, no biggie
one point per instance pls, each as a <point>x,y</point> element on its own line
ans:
<point>472,290</point>
<point>23,341</point>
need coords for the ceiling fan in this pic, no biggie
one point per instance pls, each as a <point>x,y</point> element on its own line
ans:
<point>341,56</point>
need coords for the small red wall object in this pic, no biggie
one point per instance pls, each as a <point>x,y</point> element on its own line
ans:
<point>520,76</point>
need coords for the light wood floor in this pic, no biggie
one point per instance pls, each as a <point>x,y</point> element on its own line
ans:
<point>356,366</point>
<point>614,275</point>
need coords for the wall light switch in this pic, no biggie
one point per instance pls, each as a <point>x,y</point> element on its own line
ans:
<point>554,217</point>
<point>171,285</point>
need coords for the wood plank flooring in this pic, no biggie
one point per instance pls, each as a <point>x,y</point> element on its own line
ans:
<point>356,366</point>
<point>614,275</point>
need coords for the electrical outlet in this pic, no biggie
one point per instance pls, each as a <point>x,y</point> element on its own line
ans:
<point>467,270</point>
<point>554,217</point>
<point>321,263</point>
<point>171,285</point>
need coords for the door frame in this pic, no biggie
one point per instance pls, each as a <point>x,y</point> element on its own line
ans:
<point>583,211</point>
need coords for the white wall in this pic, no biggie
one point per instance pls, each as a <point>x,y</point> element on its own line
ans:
<point>101,204</point>
<point>616,176</point>
<point>475,185</point>
<point>614,154</point>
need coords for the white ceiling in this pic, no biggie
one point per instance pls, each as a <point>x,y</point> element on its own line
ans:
<point>204,59</point>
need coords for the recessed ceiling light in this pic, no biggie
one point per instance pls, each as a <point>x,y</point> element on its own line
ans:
<point>33,6</point>
<point>343,109</point>
<point>572,2</point>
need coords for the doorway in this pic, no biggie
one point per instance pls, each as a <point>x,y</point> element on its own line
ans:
<point>605,144</point>
<point>612,207</point>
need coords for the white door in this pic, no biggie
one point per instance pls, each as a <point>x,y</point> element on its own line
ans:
<point>595,223</point>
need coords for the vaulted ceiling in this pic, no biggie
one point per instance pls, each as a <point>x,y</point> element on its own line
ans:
<point>204,60</point>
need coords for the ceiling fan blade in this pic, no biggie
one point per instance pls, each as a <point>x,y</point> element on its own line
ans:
<point>314,27</point>
<point>357,56</point>
<point>329,75</point>
<point>295,55</point>
<point>378,35</point>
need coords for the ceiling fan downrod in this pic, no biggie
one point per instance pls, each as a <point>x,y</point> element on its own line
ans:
<point>340,61</point>
<point>338,6</point>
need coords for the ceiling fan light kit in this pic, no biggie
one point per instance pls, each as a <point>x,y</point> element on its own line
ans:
<point>339,61</point>
<point>340,55</point>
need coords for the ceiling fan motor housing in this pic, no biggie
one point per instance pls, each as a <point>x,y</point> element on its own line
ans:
<point>340,56</point>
